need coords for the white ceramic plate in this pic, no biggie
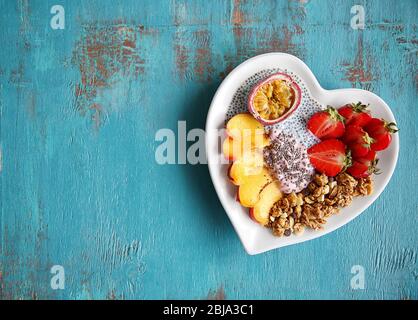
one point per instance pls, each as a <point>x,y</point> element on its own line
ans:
<point>256,238</point>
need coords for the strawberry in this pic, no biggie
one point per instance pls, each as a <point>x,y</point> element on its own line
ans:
<point>359,150</point>
<point>326,124</point>
<point>381,132</point>
<point>365,166</point>
<point>329,157</point>
<point>358,140</point>
<point>355,114</point>
<point>369,157</point>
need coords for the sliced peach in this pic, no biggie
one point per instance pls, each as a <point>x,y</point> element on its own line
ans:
<point>268,197</point>
<point>249,192</point>
<point>250,163</point>
<point>234,149</point>
<point>231,148</point>
<point>242,125</point>
<point>261,141</point>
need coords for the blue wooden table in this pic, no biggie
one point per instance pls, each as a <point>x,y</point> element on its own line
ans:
<point>80,186</point>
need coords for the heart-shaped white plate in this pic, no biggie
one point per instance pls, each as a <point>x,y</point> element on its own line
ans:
<point>256,238</point>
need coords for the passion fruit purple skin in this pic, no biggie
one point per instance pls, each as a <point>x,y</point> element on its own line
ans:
<point>290,82</point>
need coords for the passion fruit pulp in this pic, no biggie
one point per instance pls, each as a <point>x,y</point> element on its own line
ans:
<point>274,99</point>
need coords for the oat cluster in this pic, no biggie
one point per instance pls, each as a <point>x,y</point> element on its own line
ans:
<point>322,198</point>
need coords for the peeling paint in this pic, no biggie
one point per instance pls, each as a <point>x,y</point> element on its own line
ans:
<point>219,294</point>
<point>182,64</point>
<point>24,21</point>
<point>388,25</point>
<point>279,39</point>
<point>111,295</point>
<point>24,25</point>
<point>17,75</point>
<point>179,13</point>
<point>203,56</point>
<point>360,71</point>
<point>402,40</point>
<point>238,15</point>
<point>96,114</point>
<point>193,62</point>
<point>297,9</point>
<point>409,44</point>
<point>275,38</point>
<point>238,19</point>
<point>398,32</point>
<point>298,30</point>
<point>105,55</point>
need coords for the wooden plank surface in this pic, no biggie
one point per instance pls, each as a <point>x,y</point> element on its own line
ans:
<point>80,186</point>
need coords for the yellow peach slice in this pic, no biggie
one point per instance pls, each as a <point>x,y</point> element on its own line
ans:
<point>248,164</point>
<point>268,197</point>
<point>249,192</point>
<point>234,149</point>
<point>244,125</point>
<point>261,141</point>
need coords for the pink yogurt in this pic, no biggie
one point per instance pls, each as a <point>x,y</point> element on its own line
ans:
<point>288,159</point>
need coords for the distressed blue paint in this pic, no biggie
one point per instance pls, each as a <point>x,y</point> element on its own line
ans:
<point>89,195</point>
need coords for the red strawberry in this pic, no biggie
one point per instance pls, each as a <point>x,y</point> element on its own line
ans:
<point>355,114</point>
<point>359,150</point>
<point>381,132</point>
<point>357,140</point>
<point>358,170</point>
<point>329,157</point>
<point>369,157</point>
<point>326,124</point>
<point>363,167</point>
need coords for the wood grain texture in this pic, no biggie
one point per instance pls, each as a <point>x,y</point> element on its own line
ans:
<point>79,183</point>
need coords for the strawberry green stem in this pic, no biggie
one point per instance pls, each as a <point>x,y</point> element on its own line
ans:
<point>367,139</point>
<point>359,107</point>
<point>390,126</point>
<point>334,114</point>
<point>348,161</point>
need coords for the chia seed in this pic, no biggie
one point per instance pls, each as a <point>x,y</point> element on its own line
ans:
<point>289,161</point>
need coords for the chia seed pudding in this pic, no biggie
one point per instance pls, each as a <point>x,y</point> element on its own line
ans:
<point>287,158</point>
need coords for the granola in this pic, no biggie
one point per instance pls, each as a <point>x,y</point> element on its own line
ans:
<point>322,198</point>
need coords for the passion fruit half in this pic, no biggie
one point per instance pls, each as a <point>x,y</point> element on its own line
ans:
<point>274,99</point>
